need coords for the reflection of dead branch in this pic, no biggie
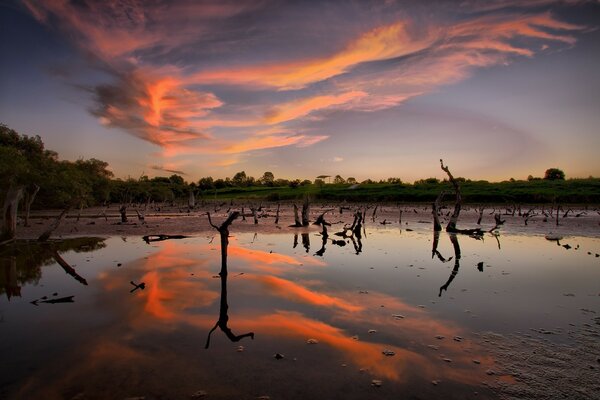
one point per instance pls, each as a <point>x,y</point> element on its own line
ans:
<point>434,248</point>
<point>68,269</point>
<point>223,320</point>
<point>454,272</point>
<point>436,212</point>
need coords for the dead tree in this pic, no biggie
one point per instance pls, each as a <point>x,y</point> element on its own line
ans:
<point>29,198</point>
<point>451,227</point>
<point>321,218</point>
<point>191,200</point>
<point>123,212</point>
<point>254,215</point>
<point>297,222</point>
<point>305,211</point>
<point>499,222</point>
<point>141,216</point>
<point>481,209</point>
<point>9,213</point>
<point>277,216</point>
<point>437,227</point>
<point>374,215</point>
<point>223,320</point>
<point>54,225</point>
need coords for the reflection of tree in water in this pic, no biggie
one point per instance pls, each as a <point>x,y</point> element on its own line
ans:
<point>454,272</point>
<point>223,320</point>
<point>21,262</point>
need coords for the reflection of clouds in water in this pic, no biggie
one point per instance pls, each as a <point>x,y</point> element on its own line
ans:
<point>181,286</point>
<point>172,293</point>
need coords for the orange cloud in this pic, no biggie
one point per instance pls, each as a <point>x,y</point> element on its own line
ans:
<point>292,291</point>
<point>381,43</point>
<point>172,107</point>
<point>300,108</point>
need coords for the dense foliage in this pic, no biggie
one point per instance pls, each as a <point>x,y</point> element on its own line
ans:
<point>24,161</point>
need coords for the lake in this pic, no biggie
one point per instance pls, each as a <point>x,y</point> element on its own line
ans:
<point>386,316</point>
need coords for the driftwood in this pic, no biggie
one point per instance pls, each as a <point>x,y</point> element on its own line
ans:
<point>223,320</point>
<point>321,219</point>
<point>160,237</point>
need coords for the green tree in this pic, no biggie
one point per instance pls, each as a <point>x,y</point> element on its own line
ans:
<point>338,179</point>
<point>553,174</point>
<point>239,179</point>
<point>267,179</point>
<point>206,183</point>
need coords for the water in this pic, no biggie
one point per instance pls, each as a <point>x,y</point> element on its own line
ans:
<point>351,302</point>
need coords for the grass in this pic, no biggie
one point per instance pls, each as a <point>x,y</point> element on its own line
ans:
<point>540,191</point>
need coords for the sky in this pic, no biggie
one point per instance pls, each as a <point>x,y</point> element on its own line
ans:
<point>367,89</point>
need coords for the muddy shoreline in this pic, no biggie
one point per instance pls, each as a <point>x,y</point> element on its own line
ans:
<point>176,220</point>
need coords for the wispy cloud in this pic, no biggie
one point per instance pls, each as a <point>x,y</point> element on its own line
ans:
<point>228,104</point>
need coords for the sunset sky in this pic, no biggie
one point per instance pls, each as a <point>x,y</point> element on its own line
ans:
<point>369,89</point>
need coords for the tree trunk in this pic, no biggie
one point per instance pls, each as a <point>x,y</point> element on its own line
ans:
<point>305,211</point>
<point>191,200</point>
<point>297,222</point>
<point>9,213</point>
<point>29,197</point>
<point>437,227</point>
<point>123,211</point>
<point>451,227</point>
<point>277,217</point>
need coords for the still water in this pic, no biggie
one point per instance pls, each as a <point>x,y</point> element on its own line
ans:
<point>397,315</point>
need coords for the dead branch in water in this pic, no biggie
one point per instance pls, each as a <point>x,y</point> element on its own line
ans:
<point>451,227</point>
<point>160,237</point>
